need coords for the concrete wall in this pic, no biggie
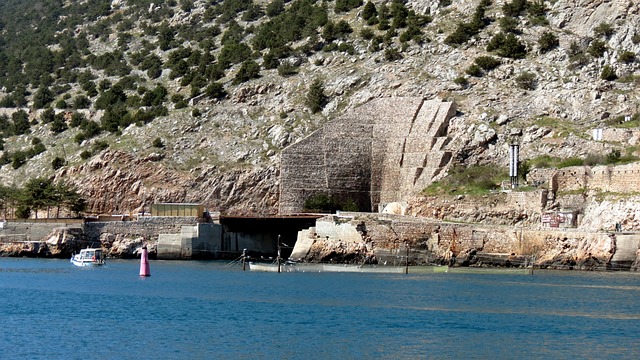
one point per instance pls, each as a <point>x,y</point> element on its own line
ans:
<point>192,242</point>
<point>382,152</point>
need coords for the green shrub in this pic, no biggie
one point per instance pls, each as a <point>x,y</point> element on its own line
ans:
<point>369,12</point>
<point>367,34</point>
<point>85,154</point>
<point>510,25</point>
<point>47,116</point>
<point>547,42</point>
<point>57,163</point>
<point>392,54</point>
<point>157,143</point>
<point>215,90</point>
<point>603,30</point>
<point>287,69</point>
<point>23,212</point>
<point>608,73</point>
<point>487,63</point>
<point>99,146</point>
<point>316,98</point>
<point>597,48</point>
<point>81,102</point>
<point>463,33</point>
<point>527,81</point>
<point>461,81</point>
<point>507,46</point>
<point>275,8</point>
<point>346,48</point>
<point>514,8</point>
<point>19,159</point>
<point>474,70</point>
<point>248,70</point>
<point>346,5</point>
<point>627,57</point>
<point>538,21</point>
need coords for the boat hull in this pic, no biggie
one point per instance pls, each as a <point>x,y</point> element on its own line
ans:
<point>88,258</point>
<point>269,267</point>
<point>85,263</point>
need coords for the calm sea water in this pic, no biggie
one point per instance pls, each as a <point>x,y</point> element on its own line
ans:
<point>206,310</point>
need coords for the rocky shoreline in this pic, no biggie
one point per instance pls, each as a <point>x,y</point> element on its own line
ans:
<point>387,239</point>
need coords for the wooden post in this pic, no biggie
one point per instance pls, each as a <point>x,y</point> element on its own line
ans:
<point>244,259</point>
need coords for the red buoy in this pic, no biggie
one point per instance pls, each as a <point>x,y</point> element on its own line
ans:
<point>144,263</point>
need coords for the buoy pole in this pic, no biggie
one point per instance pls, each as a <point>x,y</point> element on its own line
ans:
<point>144,262</point>
<point>406,268</point>
<point>278,258</point>
<point>244,259</point>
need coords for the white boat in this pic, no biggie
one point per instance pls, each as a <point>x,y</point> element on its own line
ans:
<point>89,257</point>
<point>271,267</point>
<point>364,269</point>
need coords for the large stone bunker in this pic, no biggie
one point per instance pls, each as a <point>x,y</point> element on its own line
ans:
<point>382,152</point>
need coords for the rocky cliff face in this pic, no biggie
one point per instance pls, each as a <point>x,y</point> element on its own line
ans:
<point>227,158</point>
<point>120,182</point>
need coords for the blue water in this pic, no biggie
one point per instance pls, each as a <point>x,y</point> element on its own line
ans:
<point>206,310</point>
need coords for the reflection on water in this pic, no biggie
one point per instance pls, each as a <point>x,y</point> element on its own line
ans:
<point>206,310</point>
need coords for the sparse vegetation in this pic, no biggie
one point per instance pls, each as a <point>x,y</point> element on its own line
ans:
<point>627,57</point>
<point>462,81</point>
<point>508,46</point>
<point>487,63</point>
<point>608,73</point>
<point>527,81</point>
<point>472,180</point>
<point>603,30</point>
<point>547,42</point>
<point>322,202</point>
<point>474,70</point>
<point>466,30</point>
<point>597,48</point>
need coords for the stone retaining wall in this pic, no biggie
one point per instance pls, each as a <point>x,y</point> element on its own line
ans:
<point>620,178</point>
<point>385,151</point>
<point>148,227</point>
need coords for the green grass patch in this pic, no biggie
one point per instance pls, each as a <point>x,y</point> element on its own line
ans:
<point>619,122</point>
<point>561,127</point>
<point>580,191</point>
<point>473,180</point>
<point>593,159</point>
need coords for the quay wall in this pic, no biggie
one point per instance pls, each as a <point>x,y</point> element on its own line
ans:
<point>147,226</point>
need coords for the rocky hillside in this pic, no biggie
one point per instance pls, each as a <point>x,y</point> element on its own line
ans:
<point>193,101</point>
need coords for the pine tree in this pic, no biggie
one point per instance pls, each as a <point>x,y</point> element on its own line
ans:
<point>316,98</point>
